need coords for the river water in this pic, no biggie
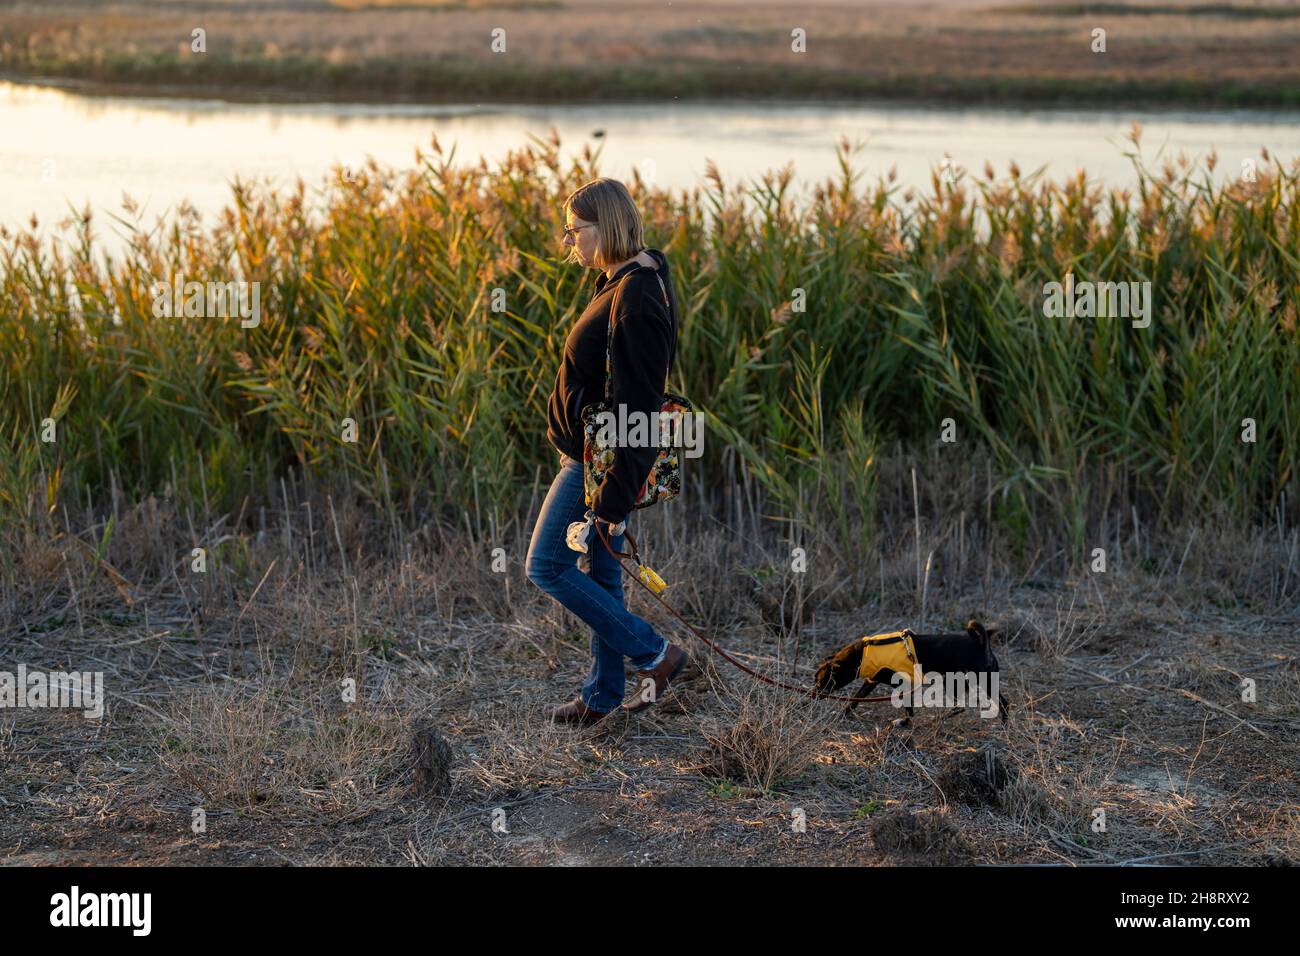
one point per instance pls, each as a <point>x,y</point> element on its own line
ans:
<point>60,148</point>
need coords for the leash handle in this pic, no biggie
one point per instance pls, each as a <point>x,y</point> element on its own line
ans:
<point>619,555</point>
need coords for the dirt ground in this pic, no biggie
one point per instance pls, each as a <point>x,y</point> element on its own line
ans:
<point>225,693</point>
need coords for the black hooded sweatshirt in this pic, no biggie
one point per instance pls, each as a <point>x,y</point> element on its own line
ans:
<point>643,348</point>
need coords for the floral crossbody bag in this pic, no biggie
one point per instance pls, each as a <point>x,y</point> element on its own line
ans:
<point>665,477</point>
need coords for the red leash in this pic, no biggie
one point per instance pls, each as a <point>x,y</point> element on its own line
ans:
<point>619,555</point>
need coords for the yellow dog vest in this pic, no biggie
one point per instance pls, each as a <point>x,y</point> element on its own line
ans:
<point>893,651</point>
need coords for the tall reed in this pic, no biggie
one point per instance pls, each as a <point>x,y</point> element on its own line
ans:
<point>378,307</point>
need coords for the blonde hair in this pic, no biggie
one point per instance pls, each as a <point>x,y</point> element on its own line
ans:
<point>608,204</point>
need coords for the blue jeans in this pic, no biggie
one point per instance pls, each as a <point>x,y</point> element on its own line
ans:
<point>597,598</point>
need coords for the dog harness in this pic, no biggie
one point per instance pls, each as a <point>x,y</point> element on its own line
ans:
<point>893,651</point>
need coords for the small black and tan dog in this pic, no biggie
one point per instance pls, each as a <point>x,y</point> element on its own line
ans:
<point>876,658</point>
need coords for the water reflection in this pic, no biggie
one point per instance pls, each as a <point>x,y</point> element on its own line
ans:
<point>61,149</point>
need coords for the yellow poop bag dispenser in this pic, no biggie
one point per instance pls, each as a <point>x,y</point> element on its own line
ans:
<point>643,571</point>
<point>651,580</point>
<point>577,540</point>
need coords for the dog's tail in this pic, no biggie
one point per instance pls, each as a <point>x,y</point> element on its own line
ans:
<point>977,631</point>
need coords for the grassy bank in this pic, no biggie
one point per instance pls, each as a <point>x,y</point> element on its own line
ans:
<point>452,81</point>
<point>580,51</point>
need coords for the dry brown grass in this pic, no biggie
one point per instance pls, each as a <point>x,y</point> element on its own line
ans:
<point>224,694</point>
<point>269,747</point>
<point>761,736</point>
<point>927,835</point>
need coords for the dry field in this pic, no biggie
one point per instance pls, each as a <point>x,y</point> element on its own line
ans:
<point>224,694</point>
<point>574,50</point>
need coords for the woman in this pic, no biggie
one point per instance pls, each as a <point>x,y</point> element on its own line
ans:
<point>603,231</point>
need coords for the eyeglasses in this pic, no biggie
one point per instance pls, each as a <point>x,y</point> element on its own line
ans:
<point>572,230</point>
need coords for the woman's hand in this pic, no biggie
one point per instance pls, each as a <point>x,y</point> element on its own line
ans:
<point>579,531</point>
<point>613,530</point>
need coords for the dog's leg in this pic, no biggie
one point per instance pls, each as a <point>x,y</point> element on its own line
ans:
<point>904,721</point>
<point>862,692</point>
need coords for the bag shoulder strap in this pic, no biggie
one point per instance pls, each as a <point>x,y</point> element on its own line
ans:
<point>609,344</point>
<point>609,336</point>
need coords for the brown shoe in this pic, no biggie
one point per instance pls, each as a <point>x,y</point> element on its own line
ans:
<point>674,660</point>
<point>575,711</point>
